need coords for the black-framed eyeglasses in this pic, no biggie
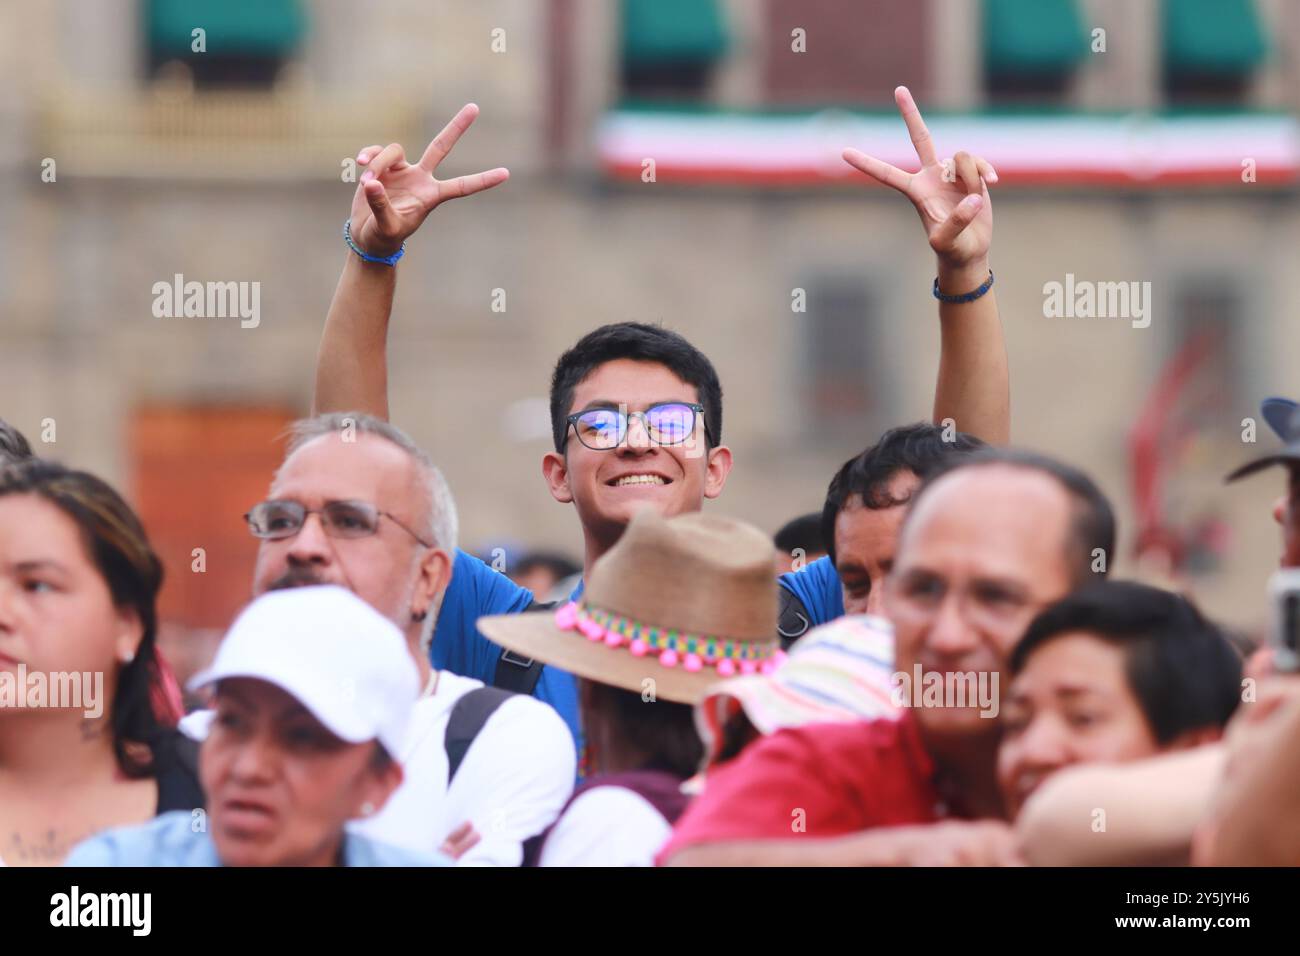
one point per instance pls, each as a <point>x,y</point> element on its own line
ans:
<point>274,519</point>
<point>669,423</point>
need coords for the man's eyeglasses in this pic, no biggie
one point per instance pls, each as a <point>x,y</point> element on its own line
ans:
<point>340,519</point>
<point>670,423</point>
<point>916,600</point>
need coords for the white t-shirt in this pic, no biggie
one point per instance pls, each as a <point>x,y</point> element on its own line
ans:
<point>512,782</point>
<point>607,826</point>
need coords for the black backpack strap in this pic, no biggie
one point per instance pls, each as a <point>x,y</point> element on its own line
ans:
<point>468,715</point>
<point>793,620</point>
<point>516,674</point>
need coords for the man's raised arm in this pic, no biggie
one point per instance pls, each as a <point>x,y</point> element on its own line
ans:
<point>952,200</point>
<point>391,201</point>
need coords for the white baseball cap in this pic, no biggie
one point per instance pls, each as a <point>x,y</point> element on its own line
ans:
<point>335,654</point>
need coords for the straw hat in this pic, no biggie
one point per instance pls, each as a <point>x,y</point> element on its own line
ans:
<point>678,601</point>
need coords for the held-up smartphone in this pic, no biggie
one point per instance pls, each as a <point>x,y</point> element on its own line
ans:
<point>1284,591</point>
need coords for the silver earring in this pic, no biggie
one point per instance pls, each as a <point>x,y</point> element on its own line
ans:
<point>367,808</point>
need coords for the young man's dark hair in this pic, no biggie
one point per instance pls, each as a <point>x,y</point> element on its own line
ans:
<point>643,343</point>
<point>1093,527</point>
<point>13,446</point>
<point>803,532</point>
<point>1181,667</point>
<point>919,448</point>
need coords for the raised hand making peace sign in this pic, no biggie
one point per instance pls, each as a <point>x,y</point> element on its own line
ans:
<point>951,197</point>
<point>394,197</point>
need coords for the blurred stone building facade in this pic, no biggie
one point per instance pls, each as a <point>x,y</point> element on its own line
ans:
<point>162,170</point>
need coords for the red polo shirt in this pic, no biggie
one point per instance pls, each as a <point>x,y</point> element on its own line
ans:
<point>844,777</point>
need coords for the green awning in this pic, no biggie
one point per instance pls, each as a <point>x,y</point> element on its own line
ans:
<point>1216,37</point>
<point>242,27</point>
<point>1033,36</point>
<point>672,31</point>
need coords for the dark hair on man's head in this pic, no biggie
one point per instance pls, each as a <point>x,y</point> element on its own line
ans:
<point>1180,666</point>
<point>1092,527</point>
<point>642,343</point>
<point>919,448</point>
<point>803,532</point>
<point>13,446</point>
<point>663,731</point>
<point>116,543</point>
<point>560,565</point>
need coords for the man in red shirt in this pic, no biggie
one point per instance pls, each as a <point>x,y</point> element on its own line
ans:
<point>986,544</point>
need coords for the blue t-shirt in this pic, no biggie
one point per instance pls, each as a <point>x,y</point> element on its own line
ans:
<point>818,587</point>
<point>476,591</point>
<point>171,840</point>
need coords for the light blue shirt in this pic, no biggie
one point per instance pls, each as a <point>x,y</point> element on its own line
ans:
<point>170,840</point>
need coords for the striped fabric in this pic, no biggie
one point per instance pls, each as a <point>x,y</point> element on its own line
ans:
<point>800,149</point>
<point>838,672</point>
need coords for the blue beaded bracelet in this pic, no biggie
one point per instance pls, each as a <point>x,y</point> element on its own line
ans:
<point>967,296</point>
<point>383,260</point>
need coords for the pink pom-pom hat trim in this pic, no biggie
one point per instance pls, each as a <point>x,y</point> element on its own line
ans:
<point>693,652</point>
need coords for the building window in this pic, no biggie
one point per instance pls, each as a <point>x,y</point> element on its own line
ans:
<point>1031,48</point>
<point>242,43</point>
<point>1179,427</point>
<point>842,393</point>
<point>1211,49</point>
<point>1208,317</point>
<point>670,47</point>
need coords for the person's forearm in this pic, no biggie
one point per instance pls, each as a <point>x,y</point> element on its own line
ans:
<point>352,366</point>
<point>1255,833</point>
<point>974,383</point>
<point>1139,813</point>
<point>885,847</point>
<point>1255,820</point>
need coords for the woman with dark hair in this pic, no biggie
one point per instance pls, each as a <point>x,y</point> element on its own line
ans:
<point>82,747</point>
<point>673,607</point>
<point>13,445</point>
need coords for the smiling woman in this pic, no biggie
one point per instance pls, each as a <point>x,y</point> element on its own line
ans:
<point>78,586</point>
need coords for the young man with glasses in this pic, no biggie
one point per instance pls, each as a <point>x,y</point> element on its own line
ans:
<point>623,389</point>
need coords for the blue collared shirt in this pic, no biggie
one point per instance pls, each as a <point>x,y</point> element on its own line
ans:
<point>476,591</point>
<point>818,587</point>
<point>171,840</point>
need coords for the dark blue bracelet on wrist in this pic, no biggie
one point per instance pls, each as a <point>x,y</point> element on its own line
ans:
<point>966,296</point>
<point>382,260</point>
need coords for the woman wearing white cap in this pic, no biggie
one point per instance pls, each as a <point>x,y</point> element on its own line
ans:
<point>313,690</point>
